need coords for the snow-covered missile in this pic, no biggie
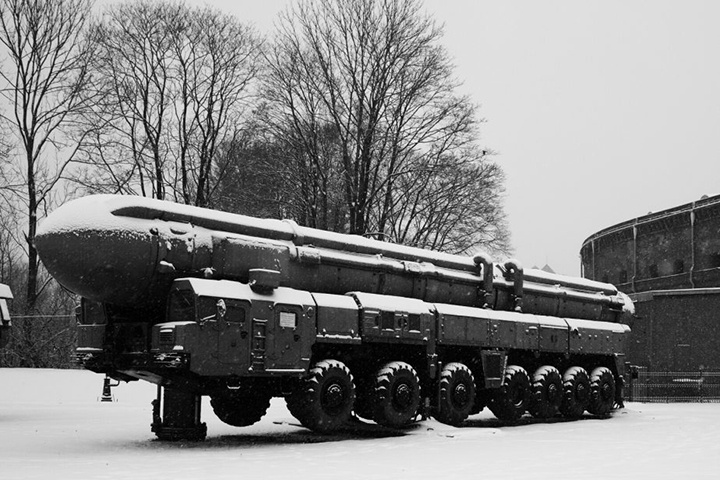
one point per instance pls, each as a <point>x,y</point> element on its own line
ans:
<point>127,250</point>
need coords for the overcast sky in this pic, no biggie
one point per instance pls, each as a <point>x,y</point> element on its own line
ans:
<point>599,111</point>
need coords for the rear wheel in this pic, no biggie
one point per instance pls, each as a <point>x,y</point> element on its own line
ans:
<point>576,392</point>
<point>240,409</point>
<point>396,397</point>
<point>324,401</point>
<point>510,401</point>
<point>602,391</point>
<point>546,394</point>
<point>457,394</point>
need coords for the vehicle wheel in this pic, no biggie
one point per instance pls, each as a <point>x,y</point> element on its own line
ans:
<point>546,393</point>
<point>509,402</point>
<point>457,394</point>
<point>602,391</point>
<point>396,397</point>
<point>240,409</point>
<point>324,400</point>
<point>576,392</point>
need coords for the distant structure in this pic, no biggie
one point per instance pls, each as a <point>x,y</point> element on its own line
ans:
<point>669,263</point>
<point>5,295</point>
<point>547,268</point>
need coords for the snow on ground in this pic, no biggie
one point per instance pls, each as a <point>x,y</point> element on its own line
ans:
<point>53,426</point>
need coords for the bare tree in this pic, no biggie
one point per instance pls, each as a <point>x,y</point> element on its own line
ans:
<point>134,80</point>
<point>451,204</point>
<point>42,81</point>
<point>249,184</point>
<point>218,58</point>
<point>362,93</point>
<point>174,82</point>
<point>9,262</point>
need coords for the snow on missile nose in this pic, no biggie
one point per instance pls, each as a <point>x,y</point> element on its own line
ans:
<point>96,254</point>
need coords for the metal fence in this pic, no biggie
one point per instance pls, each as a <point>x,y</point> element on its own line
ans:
<point>667,387</point>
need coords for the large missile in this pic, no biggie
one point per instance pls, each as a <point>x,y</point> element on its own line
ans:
<point>126,250</point>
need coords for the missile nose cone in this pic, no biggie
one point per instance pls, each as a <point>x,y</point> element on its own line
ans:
<point>96,254</point>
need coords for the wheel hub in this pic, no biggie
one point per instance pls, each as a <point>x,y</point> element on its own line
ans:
<point>605,391</point>
<point>516,396</point>
<point>552,392</point>
<point>402,398</point>
<point>461,395</point>
<point>333,397</point>
<point>581,393</point>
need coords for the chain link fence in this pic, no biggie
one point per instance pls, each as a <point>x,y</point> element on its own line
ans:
<point>668,387</point>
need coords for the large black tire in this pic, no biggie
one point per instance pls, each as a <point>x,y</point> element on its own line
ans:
<point>457,394</point>
<point>576,392</point>
<point>240,409</point>
<point>546,394</point>
<point>324,400</point>
<point>396,397</point>
<point>509,402</point>
<point>602,391</point>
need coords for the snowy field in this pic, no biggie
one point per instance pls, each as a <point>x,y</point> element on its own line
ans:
<point>53,426</point>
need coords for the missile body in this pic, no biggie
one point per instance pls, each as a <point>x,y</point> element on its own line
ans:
<point>127,250</point>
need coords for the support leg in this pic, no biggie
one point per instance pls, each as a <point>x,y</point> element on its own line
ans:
<point>179,418</point>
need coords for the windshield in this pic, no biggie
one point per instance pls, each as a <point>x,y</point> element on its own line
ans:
<point>181,306</point>
<point>184,306</point>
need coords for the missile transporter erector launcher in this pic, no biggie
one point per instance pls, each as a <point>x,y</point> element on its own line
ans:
<point>241,309</point>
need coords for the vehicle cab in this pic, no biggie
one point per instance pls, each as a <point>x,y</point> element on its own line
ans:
<point>223,327</point>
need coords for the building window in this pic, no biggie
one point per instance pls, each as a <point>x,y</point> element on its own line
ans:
<point>653,271</point>
<point>714,260</point>
<point>679,266</point>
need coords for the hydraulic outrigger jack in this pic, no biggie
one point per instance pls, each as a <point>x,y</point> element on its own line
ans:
<point>180,416</point>
<point>106,393</point>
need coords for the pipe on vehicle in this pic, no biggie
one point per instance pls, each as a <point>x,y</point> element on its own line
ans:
<point>483,260</point>
<point>514,269</point>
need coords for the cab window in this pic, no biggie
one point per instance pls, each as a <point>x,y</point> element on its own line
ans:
<point>235,311</point>
<point>181,306</point>
<point>207,308</point>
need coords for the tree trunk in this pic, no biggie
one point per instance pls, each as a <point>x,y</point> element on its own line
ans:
<point>31,292</point>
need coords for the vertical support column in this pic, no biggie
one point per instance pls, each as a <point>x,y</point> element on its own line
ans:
<point>179,418</point>
<point>515,270</point>
<point>485,269</point>
<point>635,255</point>
<point>692,247</point>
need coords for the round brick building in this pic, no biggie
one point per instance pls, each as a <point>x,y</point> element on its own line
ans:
<point>669,264</point>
